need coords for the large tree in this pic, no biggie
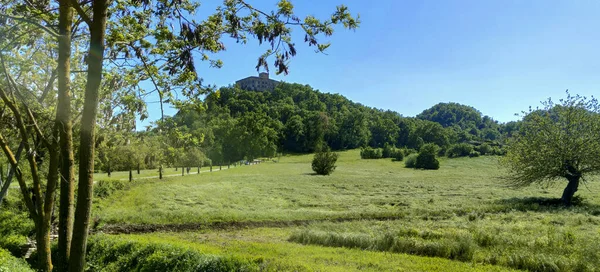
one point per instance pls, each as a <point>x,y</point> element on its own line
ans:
<point>557,142</point>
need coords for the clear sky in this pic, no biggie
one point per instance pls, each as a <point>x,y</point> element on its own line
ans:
<point>498,56</point>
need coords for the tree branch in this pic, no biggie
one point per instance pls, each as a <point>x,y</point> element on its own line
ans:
<point>81,12</point>
<point>27,20</point>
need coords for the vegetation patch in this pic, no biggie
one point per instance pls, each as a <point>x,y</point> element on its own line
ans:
<point>9,263</point>
<point>110,253</point>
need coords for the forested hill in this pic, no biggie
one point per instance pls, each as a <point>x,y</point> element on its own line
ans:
<point>238,123</point>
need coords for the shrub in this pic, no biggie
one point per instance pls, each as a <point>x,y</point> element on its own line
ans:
<point>485,149</point>
<point>14,228</point>
<point>324,162</point>
<point>459,150</point>
<point>498,151</point>
<point>411,161</point>
<point>370,153</point>
<point>398,155</point>
<point>11,263</point>
<point>426,158</point>
<point>408,151</point>
<point>474,154</point>
<point>387,151</point>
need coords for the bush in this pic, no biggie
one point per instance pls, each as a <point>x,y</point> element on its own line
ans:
<point>411,161</point>
<point>485,149</point>
<point>408,151</point>
<point>426,158</point>
<point>14,229</point>
<point>459,150</point>
<point>370,153</point>
<point>11,263</point>
<point>387,151</point>
<point>324,162</point>
<point>474,154</point>
<point>398,155</point>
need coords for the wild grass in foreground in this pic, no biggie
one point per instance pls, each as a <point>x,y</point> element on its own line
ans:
<point>530,242</point>
<point>268,249</point>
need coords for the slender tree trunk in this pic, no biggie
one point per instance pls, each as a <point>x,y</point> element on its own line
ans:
<point>220,167</point>
<point>211,168</point>
<point>45,224</point>
<point>138,168</point>
<point>95,58</point>
<point>198,169</point>
<point>65,131</point>
<point>160,172</point>
<point>130,175</point>
<point>11,173</point>
<point>182,171</point>
<point>570,190</point>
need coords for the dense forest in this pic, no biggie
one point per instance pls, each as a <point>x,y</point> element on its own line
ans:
<point>234,124</point>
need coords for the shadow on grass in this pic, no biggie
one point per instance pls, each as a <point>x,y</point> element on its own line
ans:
<point>546,204</point>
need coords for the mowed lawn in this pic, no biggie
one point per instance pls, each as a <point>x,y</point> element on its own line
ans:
<point>464,215</point>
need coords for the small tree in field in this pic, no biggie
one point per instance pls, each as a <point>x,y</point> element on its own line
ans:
<point>324,161</point>
<point>560,141</point>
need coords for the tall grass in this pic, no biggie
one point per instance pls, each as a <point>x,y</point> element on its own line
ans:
<point>107,253</point>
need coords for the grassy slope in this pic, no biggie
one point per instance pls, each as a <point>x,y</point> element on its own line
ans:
<point>288,191</point>
<point>463,202</point>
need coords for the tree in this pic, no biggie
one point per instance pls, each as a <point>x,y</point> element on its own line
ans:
<point>559,141</point>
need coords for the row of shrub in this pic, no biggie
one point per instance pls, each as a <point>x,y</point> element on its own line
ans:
<point>113,253</point>
<point>469,150</point>
<point>387,151</point>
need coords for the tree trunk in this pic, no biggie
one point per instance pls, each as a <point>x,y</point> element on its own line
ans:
<point>95,58</point>
<point>220,167</point>
<point>211,168</point>
<point>187,169</point>
<point>570,190</point>
<point>182,171</point>
<point>11,173</point>
<point>160,170</point>
<point>138,168</point>
<point>198,169</point>
<point>65,128</point>
<point>45,218</point>
<point>130,175</point>
<point>108,171</point>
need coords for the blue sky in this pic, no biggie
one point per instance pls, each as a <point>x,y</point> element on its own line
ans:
<point>498,56</point>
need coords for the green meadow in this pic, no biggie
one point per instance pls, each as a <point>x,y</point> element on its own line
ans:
<point>368,215</point>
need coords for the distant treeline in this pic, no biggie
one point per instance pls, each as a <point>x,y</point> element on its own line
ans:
<point>235,124</point>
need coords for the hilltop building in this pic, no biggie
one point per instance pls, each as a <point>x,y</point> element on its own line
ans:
<point>260,83</point>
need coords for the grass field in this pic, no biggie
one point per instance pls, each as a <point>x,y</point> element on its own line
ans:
<point>369,215</point>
